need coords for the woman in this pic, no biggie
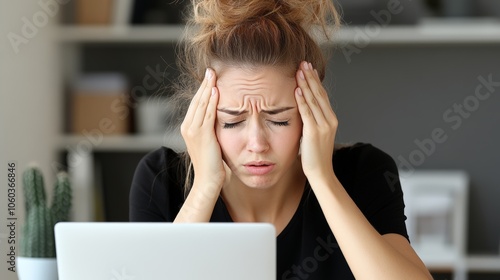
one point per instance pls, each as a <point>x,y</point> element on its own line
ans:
<point>260,134</point>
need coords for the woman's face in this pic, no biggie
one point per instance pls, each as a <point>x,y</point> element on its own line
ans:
<point>258,124</point>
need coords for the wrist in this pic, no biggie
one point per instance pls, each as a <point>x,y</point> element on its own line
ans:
<point>199,204</point>
<point>320,172</point>
<point>322,179</point>
<point>205,191</point>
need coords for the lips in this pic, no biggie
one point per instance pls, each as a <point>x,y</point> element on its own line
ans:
<point>259,167</point>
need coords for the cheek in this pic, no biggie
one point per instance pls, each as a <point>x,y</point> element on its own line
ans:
<point>292,135</point>
<point>228,141</point>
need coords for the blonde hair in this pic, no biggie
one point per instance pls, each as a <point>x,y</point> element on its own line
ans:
<point>249,33</point>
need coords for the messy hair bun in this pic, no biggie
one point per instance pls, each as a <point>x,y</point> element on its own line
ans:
<point>255,32</point>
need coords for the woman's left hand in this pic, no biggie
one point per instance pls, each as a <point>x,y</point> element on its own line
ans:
<point>319,123</point>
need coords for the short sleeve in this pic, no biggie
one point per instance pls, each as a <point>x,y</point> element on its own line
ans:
<point>155,194</point>
<point>377,191</point>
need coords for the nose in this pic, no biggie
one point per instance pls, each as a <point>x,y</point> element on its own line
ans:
<point>257,141</point>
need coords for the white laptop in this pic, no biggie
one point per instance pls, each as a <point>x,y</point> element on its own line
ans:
<point>151,251</point>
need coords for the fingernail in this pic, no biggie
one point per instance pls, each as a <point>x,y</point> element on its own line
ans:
<point>208,74</point>
<point>306,66</point>
<point>299,91</point>
<point>310,66</point>
<point>213,91</point>
<point>317,74</point>
<point>301,74</point>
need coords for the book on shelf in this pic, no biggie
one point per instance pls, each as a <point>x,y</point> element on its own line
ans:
<point>100,105</point>
<point>122,13</point>
<point>115,13</point>
<point>93,12</point>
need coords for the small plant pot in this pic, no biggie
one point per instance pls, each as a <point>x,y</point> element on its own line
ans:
<point>36,268</point>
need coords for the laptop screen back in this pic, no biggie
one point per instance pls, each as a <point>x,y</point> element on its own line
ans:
<point>149,251</point>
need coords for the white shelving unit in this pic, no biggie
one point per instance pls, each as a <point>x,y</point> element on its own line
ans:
<point>130,143</point>
<point>80,157</point>
<point>483,263</point>
<point>429,31</point>
<point>119,34</point>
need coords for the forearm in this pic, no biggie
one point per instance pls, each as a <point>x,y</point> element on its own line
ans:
<point>368,254</point>
<point>198,206</point>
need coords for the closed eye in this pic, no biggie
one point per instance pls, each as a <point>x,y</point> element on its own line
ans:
<point>235,124</point>
<point>231,125</point>
<point>285,123</point>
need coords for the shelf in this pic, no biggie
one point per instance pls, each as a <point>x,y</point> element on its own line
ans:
<point>428,31</point>
<point>470,263</point>
<point>120,143</point>
<point>121,34</point>
<point>480,263</point>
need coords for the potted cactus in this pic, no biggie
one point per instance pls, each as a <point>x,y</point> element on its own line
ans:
<point>37,258</point>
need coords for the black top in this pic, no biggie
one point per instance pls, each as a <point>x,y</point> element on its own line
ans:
<point>306,248</point>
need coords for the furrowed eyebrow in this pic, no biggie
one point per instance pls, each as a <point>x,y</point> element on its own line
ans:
<point>232,112</point>
<point>269,112</point>
<point>277,111</point>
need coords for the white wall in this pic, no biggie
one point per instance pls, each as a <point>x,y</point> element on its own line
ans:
<point>30,103</point>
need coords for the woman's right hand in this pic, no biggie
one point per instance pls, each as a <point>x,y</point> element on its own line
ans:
<point>198,131</point>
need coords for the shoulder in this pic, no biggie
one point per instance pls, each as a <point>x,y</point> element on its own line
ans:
<point>371,178</point>
<point>162,166</point>
<point>160,162</point>
<point>366,172</point>
<point>362,158</point>
<point>160,158</point>
<point>156,190</point>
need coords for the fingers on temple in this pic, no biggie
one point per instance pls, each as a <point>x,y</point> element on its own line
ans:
<point>194,101</point>
<point>200,104</point>
<point>211,112</point>
<point>312,91</point>
<point>304,109</point>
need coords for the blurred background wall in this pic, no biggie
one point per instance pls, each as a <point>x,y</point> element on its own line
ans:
<point>30,106</point>
<point>419,84</point>
<point>401,71</point>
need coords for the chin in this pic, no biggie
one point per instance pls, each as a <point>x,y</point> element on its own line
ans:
<point>259,182</point>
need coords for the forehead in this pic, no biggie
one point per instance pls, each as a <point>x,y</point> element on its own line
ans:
<point>269,84</point>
